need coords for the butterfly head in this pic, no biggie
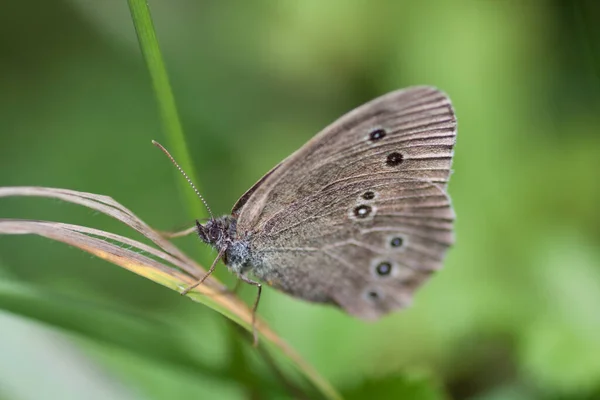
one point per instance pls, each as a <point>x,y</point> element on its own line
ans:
<point>221,234</point>
<point>217,232</point>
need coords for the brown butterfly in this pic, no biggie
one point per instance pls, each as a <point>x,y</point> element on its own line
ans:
<point>358,217</point>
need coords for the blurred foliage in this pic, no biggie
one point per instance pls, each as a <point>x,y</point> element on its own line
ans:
<point>512,316</point>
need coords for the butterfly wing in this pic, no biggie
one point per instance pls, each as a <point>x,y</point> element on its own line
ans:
<point>359,216</point>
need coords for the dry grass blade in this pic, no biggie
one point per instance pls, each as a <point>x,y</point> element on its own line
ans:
<point>96,242</point>
<point>155,264</point>
<point>110,207</point>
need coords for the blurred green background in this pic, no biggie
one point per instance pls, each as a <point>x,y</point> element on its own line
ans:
<point>515,314</point>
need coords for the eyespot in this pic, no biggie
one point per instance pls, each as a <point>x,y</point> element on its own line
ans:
<point>383,268</point>
<point>373,294</point>
<point>362,211</point>
<point>394,159</point>
<point>369,195</point>
<point>377,134</point>
<point>396,242</point>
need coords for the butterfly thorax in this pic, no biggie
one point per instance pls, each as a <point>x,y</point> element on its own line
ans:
<point>221,233</point>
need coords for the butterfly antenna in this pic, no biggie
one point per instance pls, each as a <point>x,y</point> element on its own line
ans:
<point>160,146</point>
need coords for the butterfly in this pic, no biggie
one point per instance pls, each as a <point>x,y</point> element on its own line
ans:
<point>359,217</point>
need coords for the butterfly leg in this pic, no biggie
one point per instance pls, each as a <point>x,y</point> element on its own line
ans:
<point>210,271</point>
<point>259,287</point>
<point>176,234</point>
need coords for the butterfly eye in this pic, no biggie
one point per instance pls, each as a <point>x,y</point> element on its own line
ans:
<point>368,195</point>
<point>377,134</point>
<point>362,211</point>
<point>396,242</point>
<point>394,159</point>
<point>384,268</point>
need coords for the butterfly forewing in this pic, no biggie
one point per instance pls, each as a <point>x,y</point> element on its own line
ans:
<point>359,216</point>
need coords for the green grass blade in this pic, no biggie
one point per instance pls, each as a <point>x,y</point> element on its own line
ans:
<point>142,20</point>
